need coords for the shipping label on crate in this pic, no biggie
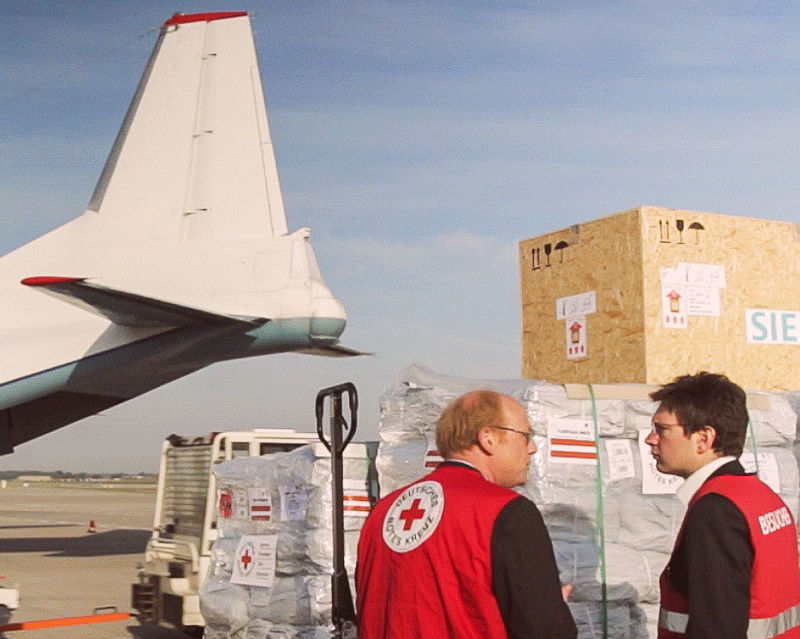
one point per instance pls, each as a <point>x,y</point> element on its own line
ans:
<point>255,561</point>
<point>767,468</point>
<point>576,340</point>
<point>653,481</point>
<point>432,456</point>
<point>573,310</point>
<point>674,308</point>
<point>232,503</point>
<point>260,503</point>
<point>575,305</point>
<point>772,327</point>
<point>620,459</point>
<point>691,289</point>
<point>294,502</point>
<point>571,441</point>
<point>355,497</point>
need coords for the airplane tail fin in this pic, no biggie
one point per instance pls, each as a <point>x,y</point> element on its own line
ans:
<point>195,163</point>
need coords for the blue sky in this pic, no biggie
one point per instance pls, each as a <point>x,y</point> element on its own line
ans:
<point>421,141</point>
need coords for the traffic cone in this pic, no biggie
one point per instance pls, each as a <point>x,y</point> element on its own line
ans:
<point>92,527</point>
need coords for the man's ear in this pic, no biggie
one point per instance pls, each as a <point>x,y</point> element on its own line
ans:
<point>705,439</point>
<point>487,440</point>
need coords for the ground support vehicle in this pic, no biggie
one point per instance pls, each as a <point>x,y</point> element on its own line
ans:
<point>177,555</point>
<point>9,601</point>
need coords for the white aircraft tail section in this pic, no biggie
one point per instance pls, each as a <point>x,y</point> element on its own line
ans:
<point>194,157</point>
<point>183,257</point>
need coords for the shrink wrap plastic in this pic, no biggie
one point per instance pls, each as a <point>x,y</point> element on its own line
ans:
<point>639,529</point>
<point>288,496</point>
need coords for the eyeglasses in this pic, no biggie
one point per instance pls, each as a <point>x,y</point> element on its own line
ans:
<point>527,434</point>
<point>659,429</point>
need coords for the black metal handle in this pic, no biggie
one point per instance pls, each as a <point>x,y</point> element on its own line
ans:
<point>337,419</point>
<point>342,609</point>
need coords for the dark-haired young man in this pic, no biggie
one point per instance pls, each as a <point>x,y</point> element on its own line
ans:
<point>734,571</point>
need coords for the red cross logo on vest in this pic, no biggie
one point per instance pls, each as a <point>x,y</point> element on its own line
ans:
<point>410,515</point>
<point>413,516</point>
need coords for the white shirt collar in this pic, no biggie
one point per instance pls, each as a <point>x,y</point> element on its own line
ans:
<point>462,461</point>
<point>693,482</point>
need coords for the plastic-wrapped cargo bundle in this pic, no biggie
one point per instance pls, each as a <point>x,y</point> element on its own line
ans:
<point>411,406</point>
<point>774,423</point>
<point>639,530</point>
<point>271,566</point>
<point>642,515</point>
<point>223,604</point>
<point>290,494</point>
<point>624,618</point>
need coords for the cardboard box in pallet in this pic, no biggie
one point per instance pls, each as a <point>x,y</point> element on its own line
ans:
<point>652,293</point>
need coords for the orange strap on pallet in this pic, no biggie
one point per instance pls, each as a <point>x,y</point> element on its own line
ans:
<point>65,621</point>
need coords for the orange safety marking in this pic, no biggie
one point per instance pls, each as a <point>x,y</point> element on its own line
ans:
<point>65,621</point>
<point>571,442</point>
<point>564,453</point>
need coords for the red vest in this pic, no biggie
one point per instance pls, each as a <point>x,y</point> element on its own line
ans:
<point>775,583</point>
<point>424,560</point>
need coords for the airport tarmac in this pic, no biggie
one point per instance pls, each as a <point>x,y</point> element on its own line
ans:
<point>64,571</point>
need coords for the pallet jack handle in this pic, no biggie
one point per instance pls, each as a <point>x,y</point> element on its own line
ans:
<point>342,610</point>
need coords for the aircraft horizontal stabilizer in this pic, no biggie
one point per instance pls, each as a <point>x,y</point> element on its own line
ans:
<point>129,309</point>
<point>334,350</point>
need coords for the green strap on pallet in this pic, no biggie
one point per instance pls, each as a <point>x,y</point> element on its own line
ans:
<point>600,518</point>
<point>755,443</point>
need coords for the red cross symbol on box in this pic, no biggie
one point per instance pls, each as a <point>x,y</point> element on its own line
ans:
<point>410,515</point>
<point>246,559</point>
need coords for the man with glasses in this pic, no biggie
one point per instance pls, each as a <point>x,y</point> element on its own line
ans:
<point>458,554</point>
<point>733,573</point>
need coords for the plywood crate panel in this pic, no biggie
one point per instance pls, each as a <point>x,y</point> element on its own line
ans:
<point>621,269</point>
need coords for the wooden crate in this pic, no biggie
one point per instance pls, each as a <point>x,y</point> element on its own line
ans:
<point>651,293</point>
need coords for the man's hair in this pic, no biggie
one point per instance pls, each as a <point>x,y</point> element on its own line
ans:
<point>708,399</point>
<point>462,420</point>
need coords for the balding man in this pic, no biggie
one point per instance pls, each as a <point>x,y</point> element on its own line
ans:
<point>458,554</point>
